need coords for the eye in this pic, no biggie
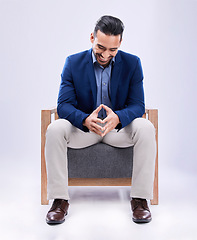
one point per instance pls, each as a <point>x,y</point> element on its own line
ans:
<point>100,47</point>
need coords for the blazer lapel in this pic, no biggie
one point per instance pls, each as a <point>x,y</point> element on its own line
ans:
<point>91,76</point>
<point>115,78</point>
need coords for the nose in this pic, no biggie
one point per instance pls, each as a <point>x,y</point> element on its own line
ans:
<point>105,55</point>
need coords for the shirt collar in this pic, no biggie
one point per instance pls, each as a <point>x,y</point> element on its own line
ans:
<point>94,59</point>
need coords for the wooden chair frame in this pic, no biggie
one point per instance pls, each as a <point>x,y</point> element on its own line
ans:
<point>46,119</point>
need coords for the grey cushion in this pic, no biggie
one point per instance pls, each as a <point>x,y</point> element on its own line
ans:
<point>100,161</point>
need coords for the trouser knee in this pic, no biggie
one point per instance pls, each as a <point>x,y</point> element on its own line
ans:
<point>143,128</point>
<point>59,128</point>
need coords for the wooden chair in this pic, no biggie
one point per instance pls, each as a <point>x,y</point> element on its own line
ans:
<point>46,119</point>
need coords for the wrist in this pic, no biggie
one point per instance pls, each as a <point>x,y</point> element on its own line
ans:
<point>118,119</point>
<point>84,121</point>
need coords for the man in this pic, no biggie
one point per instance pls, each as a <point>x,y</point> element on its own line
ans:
<point>101,99</point>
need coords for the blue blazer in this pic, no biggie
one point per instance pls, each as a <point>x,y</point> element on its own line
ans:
<point>78,90</point>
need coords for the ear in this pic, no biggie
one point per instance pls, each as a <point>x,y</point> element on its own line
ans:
<point>92,37</point>
<point>120,42</point>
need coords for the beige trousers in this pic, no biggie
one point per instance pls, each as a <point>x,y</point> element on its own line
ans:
<point>140,134</point>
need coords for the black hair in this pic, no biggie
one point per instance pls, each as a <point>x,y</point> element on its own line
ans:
<point>110,26</point>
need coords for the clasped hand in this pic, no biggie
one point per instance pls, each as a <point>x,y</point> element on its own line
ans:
<point>109,123</point>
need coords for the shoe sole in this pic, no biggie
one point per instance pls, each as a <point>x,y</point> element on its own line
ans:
<point>141,220</point>
<point>56,222</point>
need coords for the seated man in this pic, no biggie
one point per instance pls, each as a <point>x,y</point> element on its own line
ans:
<point>101,99</point>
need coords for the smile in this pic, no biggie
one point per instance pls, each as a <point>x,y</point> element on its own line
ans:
<point>102,60</point>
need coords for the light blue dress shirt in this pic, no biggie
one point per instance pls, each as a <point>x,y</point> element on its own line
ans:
<point>103,76</point>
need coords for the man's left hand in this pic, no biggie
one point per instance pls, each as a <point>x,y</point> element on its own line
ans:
<point>112,120</point>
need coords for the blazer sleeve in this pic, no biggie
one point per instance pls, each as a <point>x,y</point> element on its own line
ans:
<point>67,101</point>
<point>135,106</point>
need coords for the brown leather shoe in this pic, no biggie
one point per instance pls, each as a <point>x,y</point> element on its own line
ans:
<point>57,212</point>
<point>141,211</point>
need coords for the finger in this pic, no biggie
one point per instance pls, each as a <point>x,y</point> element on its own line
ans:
<point>97,120</point>
<point>107,109</point>
<point>97,126</point>
<point>107,119</point>
<point>108,126</point>
<point>106,131</point>
<point>97,110</point>
<point>95,130</point>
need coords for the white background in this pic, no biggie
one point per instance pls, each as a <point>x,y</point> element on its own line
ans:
<point>36,37</point>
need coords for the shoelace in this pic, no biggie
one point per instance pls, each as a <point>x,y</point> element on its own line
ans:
<point>140,203</point>
<point>57,204</point>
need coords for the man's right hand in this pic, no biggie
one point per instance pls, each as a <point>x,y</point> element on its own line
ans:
<point>91,122</point>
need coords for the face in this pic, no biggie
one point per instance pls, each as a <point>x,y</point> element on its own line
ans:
<point>105,47</point>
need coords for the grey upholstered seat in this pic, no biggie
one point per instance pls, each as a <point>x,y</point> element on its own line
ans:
<point>100,161</point>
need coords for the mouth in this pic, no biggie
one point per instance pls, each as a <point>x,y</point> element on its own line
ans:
<point>103,60</point>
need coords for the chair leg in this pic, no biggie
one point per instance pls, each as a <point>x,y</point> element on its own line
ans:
<point>45,121</point>
<point>153,117</point>
<point>155,200</point>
